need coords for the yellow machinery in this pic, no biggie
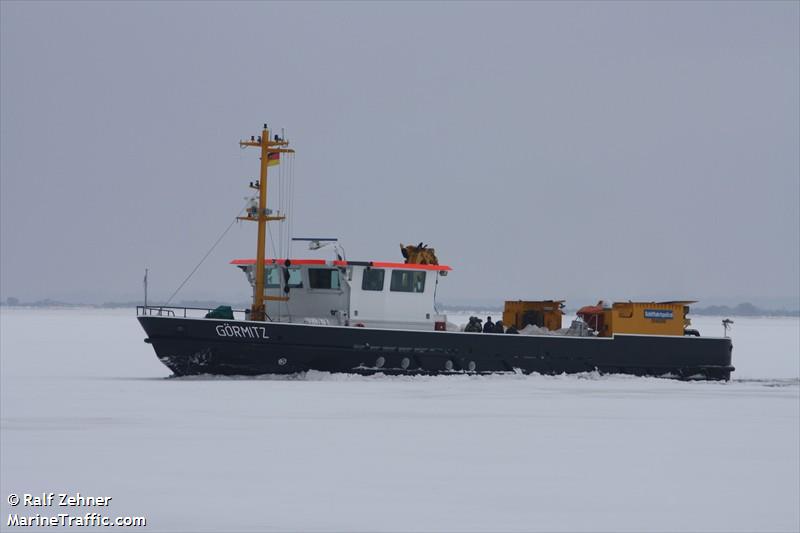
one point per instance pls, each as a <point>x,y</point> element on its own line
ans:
<point>543,313</point>
<point>421,254</point>
<point>646,318</point>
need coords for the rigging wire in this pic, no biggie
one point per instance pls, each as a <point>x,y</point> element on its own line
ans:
<point>284,177</point>
<point>275,256</point>
<point>219,239</point>
<point>275,231</point>
<point>287,213</point>
<point>286,232</point>
<point>435,288</point>
<point>287,177</point>
<point>291,200</point>
<point>275,253</point>
<point>284,209</point>
<point>281,211</point>
<point>279,206</point>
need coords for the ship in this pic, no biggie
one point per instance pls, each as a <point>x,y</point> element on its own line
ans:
<point>366,317</point>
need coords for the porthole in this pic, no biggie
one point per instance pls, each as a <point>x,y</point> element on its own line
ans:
<point>380,361</point>
<point>405,363</point>
<point>282,361</point>
<point>448,365</point>
<point>471,366</point>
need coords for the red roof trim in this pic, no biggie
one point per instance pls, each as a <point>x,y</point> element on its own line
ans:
<point>412,266</point>
<point>376,264</point>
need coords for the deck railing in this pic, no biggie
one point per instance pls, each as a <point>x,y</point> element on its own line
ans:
<point>185,312</point>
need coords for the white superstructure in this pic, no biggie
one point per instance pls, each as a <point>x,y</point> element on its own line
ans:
<point>351,293</point>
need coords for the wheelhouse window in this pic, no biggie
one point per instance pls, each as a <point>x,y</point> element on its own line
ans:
<point>373,279</point>
<point>295,280</point>
<point>408,281</point>
<point>272,280</point>
<point>323,278</point>
<point>273,275</point>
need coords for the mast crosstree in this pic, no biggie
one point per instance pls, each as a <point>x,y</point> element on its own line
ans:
<point>269,147</point>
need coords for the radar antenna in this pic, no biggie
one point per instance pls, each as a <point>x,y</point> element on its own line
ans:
<point>315,243</point>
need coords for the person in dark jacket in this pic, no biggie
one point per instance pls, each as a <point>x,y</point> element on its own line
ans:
<point>512,329</point>
<point>474,325</point>
<point>488,327</point>
<point>498,327</point>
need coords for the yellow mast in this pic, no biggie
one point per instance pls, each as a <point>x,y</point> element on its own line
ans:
<point>275,146</point>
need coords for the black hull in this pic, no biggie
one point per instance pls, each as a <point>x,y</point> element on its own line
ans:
<point>191,346</point>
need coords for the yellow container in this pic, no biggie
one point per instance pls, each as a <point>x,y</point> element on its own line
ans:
<point>542,313</point>
<point>647,318</point>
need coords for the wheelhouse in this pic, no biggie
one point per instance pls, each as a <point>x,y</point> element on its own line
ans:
<point>350,293</point>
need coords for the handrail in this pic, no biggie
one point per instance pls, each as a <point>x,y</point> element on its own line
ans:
<point>174,310</point>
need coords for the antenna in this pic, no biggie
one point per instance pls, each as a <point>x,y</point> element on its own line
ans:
<point>726,324</point>
<point>315,243</point>
<point>146,270</point>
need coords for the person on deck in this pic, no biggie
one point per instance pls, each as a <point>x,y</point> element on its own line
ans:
<point>488,327</point>
<point>498,327</point>
<point>474,325</point>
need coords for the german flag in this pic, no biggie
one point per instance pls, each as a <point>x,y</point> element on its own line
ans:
<point>273,159</point>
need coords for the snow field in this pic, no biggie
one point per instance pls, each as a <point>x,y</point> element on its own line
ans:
<point>86,407</point>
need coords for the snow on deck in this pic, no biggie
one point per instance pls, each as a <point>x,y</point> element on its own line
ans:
<point>86,407</point>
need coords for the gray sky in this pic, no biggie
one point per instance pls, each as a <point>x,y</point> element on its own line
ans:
<point>576,150</point>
